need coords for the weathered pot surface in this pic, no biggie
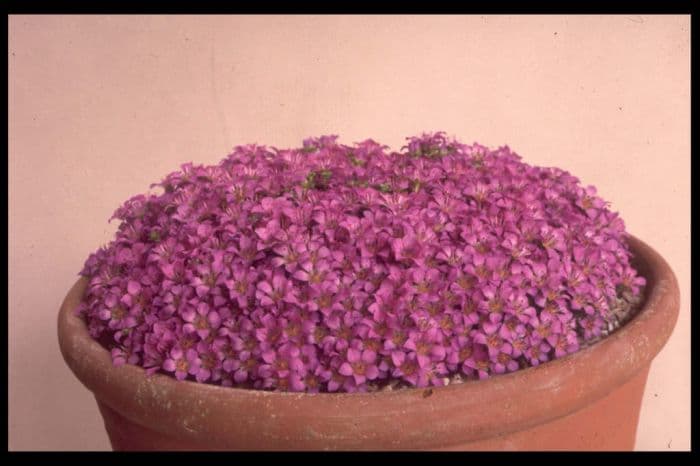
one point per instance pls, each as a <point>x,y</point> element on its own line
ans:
<point>588,400</point>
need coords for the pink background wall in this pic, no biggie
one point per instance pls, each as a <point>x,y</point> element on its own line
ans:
<point>100,107</point>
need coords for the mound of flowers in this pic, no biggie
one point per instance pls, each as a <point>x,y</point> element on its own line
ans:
<point>335,268</point>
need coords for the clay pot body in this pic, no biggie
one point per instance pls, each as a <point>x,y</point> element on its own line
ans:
<point>586,401</point>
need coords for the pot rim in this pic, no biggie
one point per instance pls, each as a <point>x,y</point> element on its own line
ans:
<point>472,410</point>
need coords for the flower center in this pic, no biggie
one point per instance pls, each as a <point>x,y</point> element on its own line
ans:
<point>187,342</point>
<point>293,330</point>
<point>481,247</point>
<point>311,381</point>
<point>422,348</point>
<point>182,365</point>
<point>319,334</point>
<point>358,368</point>
<point>481,271</point>
<point>249,254</point>
<point>381,328</point>
<point>281,365</point>
<point>274,335</point>
<point>373,344</point>
<point>423,287</point>
<point>446,323</point>
<point>482,365</point>
<point>118,313</point>
<point>348,304</point>
<point>315,276</point>
<point>551,307</point>
<point>201,323</point>
<point>495,305</point>
<point>548,242</point>
<point>399,338</point>
<point>241,286</point>
<point>324,301</point>
<point>345,332</point>
<point>465,282</point>
<point>228,351</point>
<point>433,308</point>
<point>494,341</point>
<point>544,330</point>
<point>409,368</point>
<point>208,361</point>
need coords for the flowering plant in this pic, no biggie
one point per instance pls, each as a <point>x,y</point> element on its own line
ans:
<point>352,268</point>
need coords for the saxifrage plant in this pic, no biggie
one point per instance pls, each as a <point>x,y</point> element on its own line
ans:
<point>352,268</point>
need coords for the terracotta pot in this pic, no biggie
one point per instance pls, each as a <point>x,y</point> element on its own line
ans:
<point>586,401</point>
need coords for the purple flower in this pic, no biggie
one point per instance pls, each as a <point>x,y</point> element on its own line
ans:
<point>478,361</point>
<point>182,363</point>
<point>631,280</point>
<point>118,317</point>
<point>407,248</point>
<point>337,381</point>
<point>290,255</point>
<point>202,321</point>
<point>425,281</point>
<point>313,273</point>
<point>565,344</point>
<point>241,285</point>
<point>210,275</point>
<point>121,357</point>
<point>408,369</point>
<point>316,380</point>
<point>427,346</point>
<point>552,239</point>
<point>248,250</point>
<point>325,298</point>
<point>275,290</point>
<point>503,361</point>
<point>493,343</point>
<point>588,201</point>
<point>281,363</point>
<point>360,365</point>
<point>537,353</point>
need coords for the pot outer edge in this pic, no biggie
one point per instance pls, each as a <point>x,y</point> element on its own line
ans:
<point>404,419</point>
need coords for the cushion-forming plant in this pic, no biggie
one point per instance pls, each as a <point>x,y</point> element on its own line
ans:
<point>335,268</point>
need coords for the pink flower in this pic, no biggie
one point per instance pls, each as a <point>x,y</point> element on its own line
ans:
<point>407,248</point>
<point>290,255</point>
<point>241,285</point>
<point>427,346</point>
<point>275,291</point>
<point>360,365</point>
<point>181,363</point>
<point>202,321</point>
